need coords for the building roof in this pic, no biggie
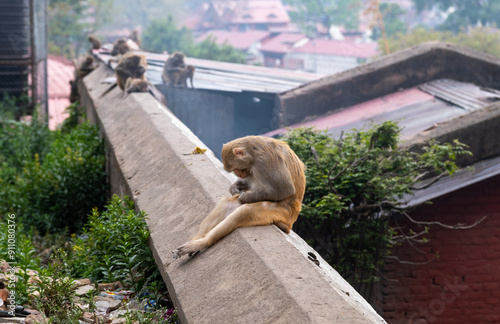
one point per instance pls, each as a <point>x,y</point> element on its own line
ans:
<point>416,109</point>
<point>59,72</point>
<point>338,48</point>
<point>239,40</point>
<point>283,43</point>
<point>260,12</point>
<point>231,77</point>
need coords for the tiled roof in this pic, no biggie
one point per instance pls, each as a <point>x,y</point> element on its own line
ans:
<point>339,48</point>
<point>260,11</point>
<point>238,40</point>
<point>282,43</point>
<point>59,72</point>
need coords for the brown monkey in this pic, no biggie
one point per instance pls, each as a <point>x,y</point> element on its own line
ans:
<point>120,47</point>
<point>174,64</point>
<point>135,37</point>
<point>86,67</point>
<point>74,95</point>
<point>183,75</point>
<point>130,66</point>
<point>136,85</point>
<point>270,191</point>
<point>96,44</point>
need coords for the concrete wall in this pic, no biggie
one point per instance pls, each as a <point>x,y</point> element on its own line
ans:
<point>462,286</point>
<point>401,70</point>
<point>254,275</point>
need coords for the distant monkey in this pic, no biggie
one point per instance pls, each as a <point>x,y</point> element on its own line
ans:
<point>130,66</point>
<point>174,64</point>
<point>270,191</point>
<point>85,67</point>
<point>135,37</point>
<point>183,75</point>
<point>120,47</point>
<point>136,85</point>
<point>96,44</point>
<point>74,95</point>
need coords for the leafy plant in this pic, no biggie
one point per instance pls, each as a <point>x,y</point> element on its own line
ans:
<point>50,179</point>
<point>114,246</point>
<point>355,184</point>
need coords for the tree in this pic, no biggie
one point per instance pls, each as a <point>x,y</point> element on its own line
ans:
<point>484,39</point>
<point>163,35</point>
<point>308,13</point>
<point>464,14</point>
<point>355,186</point>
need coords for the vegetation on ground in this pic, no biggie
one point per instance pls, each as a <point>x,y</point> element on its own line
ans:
<point>355,187</point>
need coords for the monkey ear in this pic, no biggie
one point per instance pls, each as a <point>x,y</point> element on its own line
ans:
<point>239,151</point>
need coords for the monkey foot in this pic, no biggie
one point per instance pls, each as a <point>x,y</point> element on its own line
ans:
<point>191,248</point>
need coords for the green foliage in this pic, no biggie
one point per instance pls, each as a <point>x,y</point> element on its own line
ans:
<point>484,39</point>
<point>354,185</point>
<point>307,13</point>
<point>465,14</point>
<point>114,246</point>
<point>391,13</point>
<point>55,296</point>
<point>50,180</point>
<point>163,35</point>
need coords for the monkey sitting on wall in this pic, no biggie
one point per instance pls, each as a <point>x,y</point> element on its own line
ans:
<point>74,95</point>
<point>130,66</point>
<point>173,65</point>
<point>269,191</point>
<point>134,36</point>
<point>120,47</point>
<point>183,75</point>
<point>96,44</point>
<point>85,67</point>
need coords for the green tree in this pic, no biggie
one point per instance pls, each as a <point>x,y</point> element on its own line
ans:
<point>163,35</point>
<point>391,13</point>
<point>465,13</point>
<point>307,13</point>
<point>484,39</point>
<point>355,185</point>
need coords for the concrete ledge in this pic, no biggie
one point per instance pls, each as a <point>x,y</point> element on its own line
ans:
<point>254,275</point>
<point>401,70</point>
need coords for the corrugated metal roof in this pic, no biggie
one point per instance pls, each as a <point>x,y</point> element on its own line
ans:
<point>465,95</point>
<point>338,48</point>
<point>222,76</point>
<point>481,171</point>
<point>414,109</point>
<point>241,40</point>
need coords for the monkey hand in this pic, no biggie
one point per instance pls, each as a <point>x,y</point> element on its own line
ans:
<point>190,248</point>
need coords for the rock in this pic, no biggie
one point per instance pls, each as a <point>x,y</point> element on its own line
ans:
<point>110,286</point>
<point>83,290</point>
<point>4,293</point>
<point>12,320</point>
<point>35,317</point>
<point>4,281</point>
<point>4,265</point>
<point>83,282</point>
<point>107,304</point>
<point>88,318</point>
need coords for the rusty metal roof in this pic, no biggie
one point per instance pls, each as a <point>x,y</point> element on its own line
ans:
<point>414,109</point>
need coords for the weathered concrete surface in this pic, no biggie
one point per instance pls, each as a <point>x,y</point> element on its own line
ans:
<point>254,275</point>
<point>401,70</point>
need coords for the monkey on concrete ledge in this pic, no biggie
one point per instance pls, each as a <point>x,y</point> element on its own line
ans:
<point>173,65</point>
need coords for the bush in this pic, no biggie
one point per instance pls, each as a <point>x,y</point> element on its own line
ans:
<point>354,186</point>
<point>50,179</point>
<point>114,246</point>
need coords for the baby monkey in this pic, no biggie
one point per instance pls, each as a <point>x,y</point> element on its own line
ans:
<point>269,190</point>
<point>136,85</point>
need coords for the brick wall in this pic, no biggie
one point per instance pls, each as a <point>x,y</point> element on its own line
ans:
<point>463,284</point>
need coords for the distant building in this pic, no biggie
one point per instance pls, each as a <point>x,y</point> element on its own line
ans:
<point>275,50</point>
<point>327,56</point>
<point>242,15</point>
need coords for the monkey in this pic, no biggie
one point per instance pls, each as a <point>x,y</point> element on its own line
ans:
<point>136,85</point>
<point>134,36</point>
<point>86,67</point>
<point>74,95</point>
<point>269,190</point>
<point>174,63</point>
<point>130,66</point>
<point>120,47</point>
<point>183,75</point>
<point>96,44</point>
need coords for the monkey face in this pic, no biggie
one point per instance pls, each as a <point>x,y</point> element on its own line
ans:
<point>241,173</point>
